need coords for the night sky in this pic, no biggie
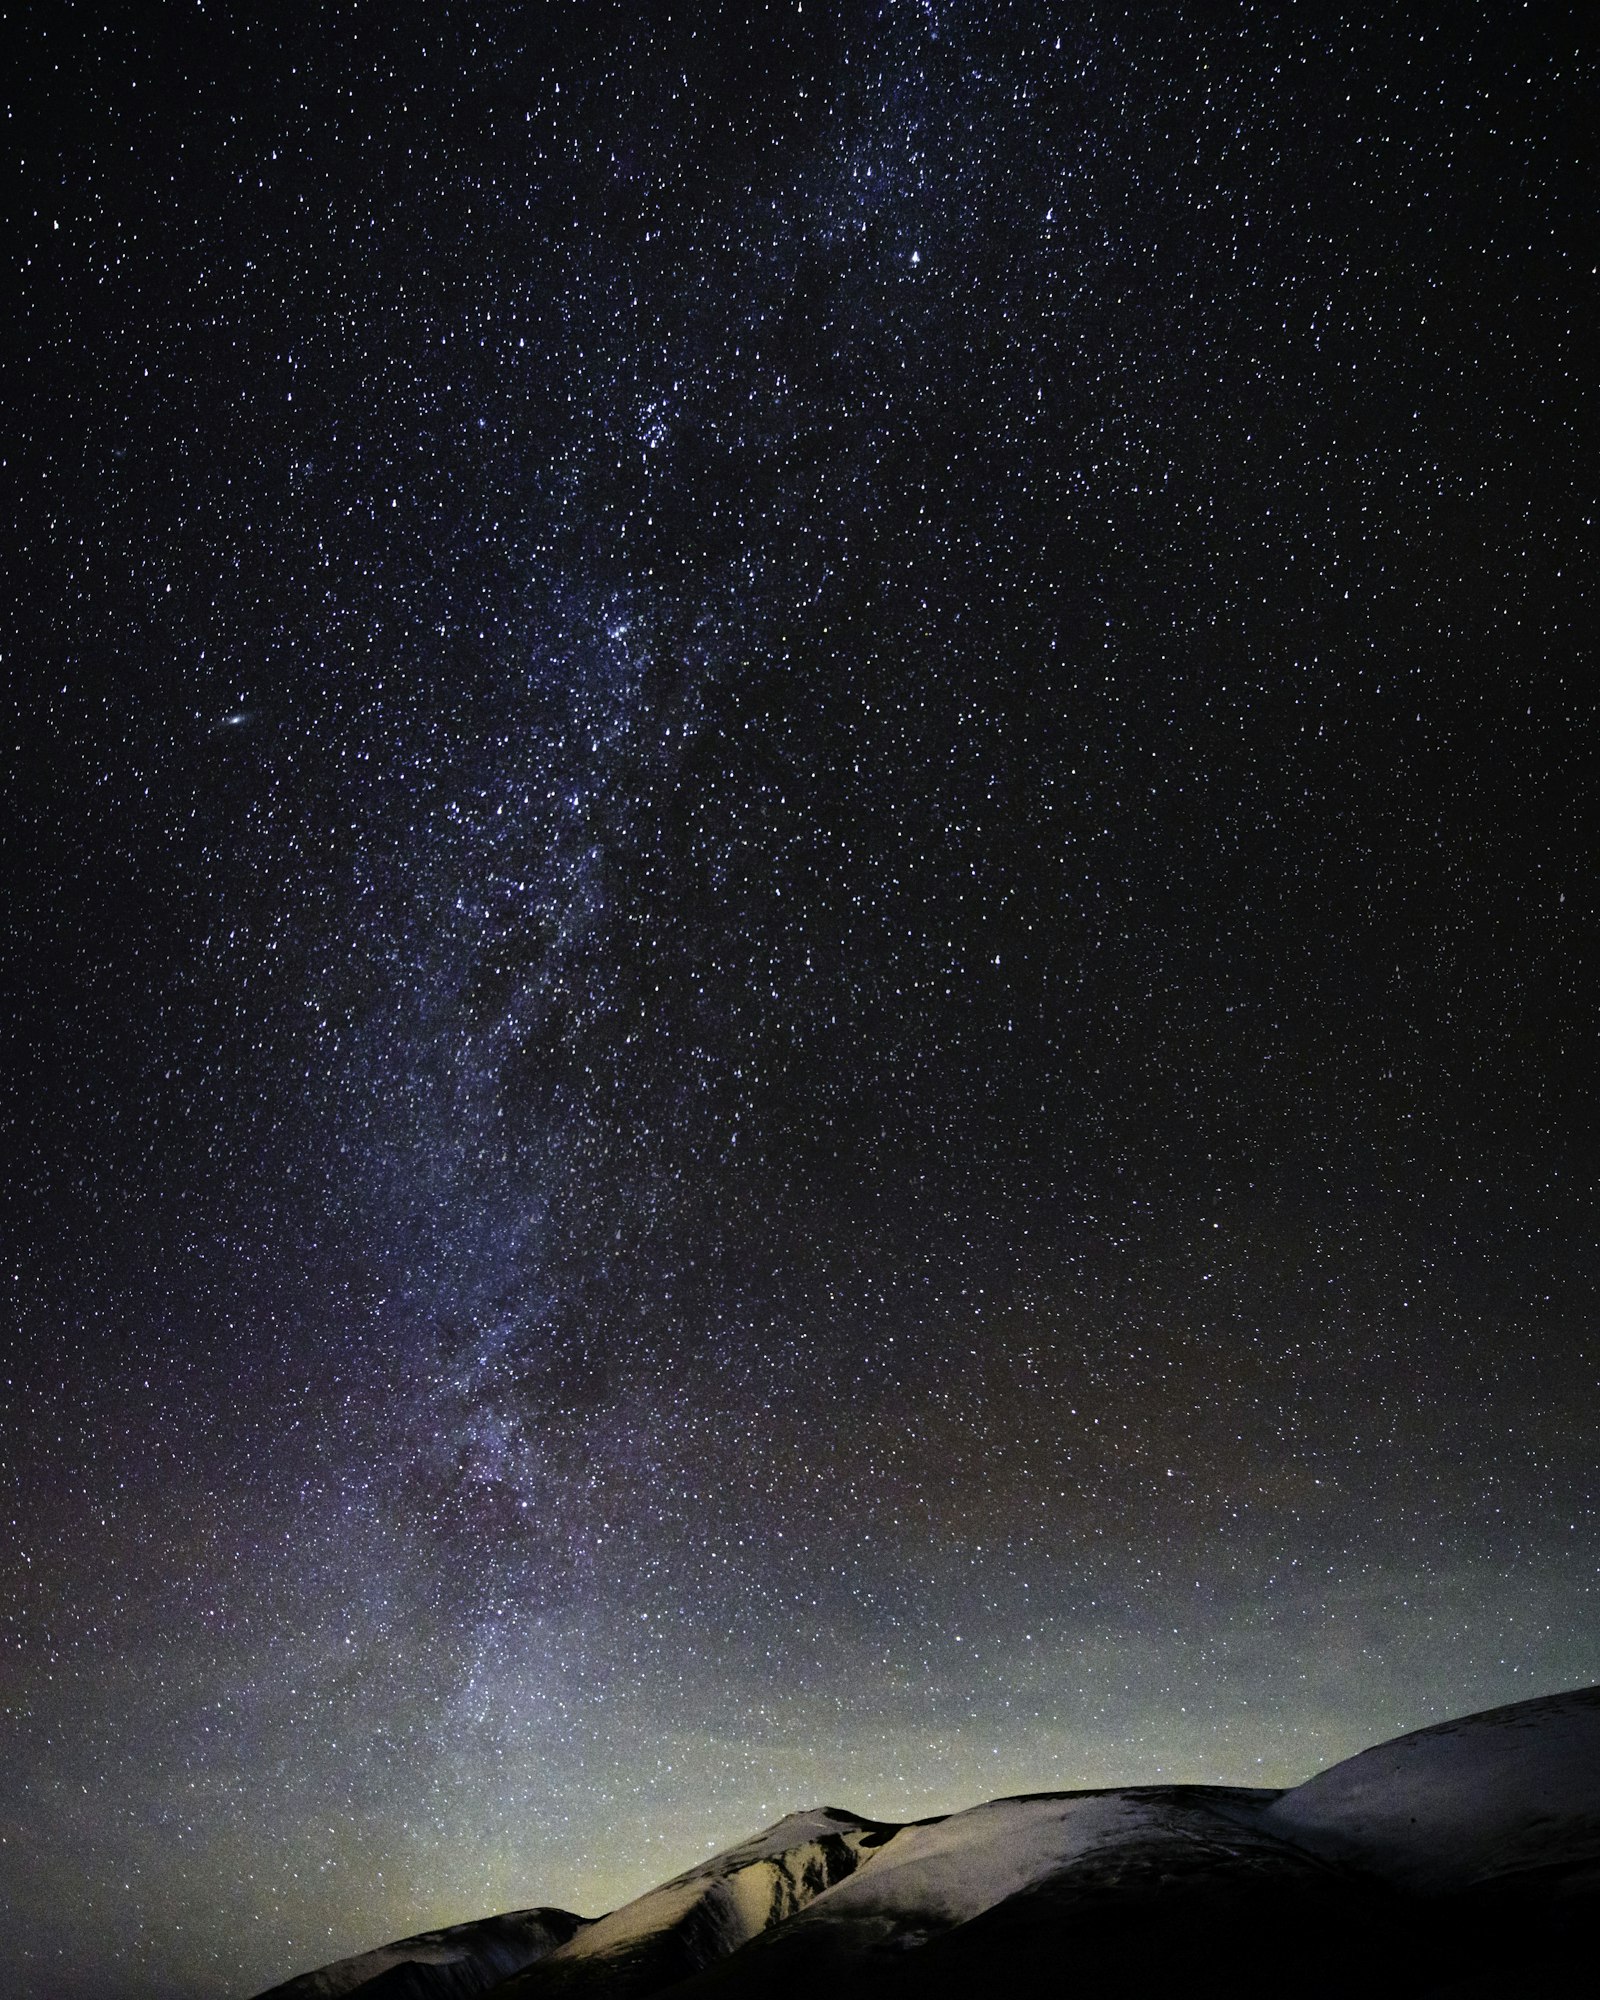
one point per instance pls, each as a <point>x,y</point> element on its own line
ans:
<point>800,947</point>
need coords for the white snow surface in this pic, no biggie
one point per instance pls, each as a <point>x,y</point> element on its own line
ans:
<point>1486,1796</point>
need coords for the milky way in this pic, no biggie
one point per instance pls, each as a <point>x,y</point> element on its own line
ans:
<point>800,939</point>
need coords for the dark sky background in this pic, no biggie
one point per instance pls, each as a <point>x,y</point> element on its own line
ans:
<point>801,944</point>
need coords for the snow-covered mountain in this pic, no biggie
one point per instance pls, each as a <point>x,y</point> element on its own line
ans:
<point>1460,1861</point>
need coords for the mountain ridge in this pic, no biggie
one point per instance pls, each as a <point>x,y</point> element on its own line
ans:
<point>1454,1855</point>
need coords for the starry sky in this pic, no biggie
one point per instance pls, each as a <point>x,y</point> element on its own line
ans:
<point>800,936</point>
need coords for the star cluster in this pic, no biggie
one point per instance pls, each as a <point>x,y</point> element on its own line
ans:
<point>801,936</point>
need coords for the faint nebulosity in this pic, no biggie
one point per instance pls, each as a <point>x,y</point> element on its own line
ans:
<point>800,941</point>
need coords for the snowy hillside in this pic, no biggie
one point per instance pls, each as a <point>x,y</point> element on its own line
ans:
<point>451,1964</point>
<point>1461,1861</point>
<point>710,1912</point>
<point>1488,1797</point>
